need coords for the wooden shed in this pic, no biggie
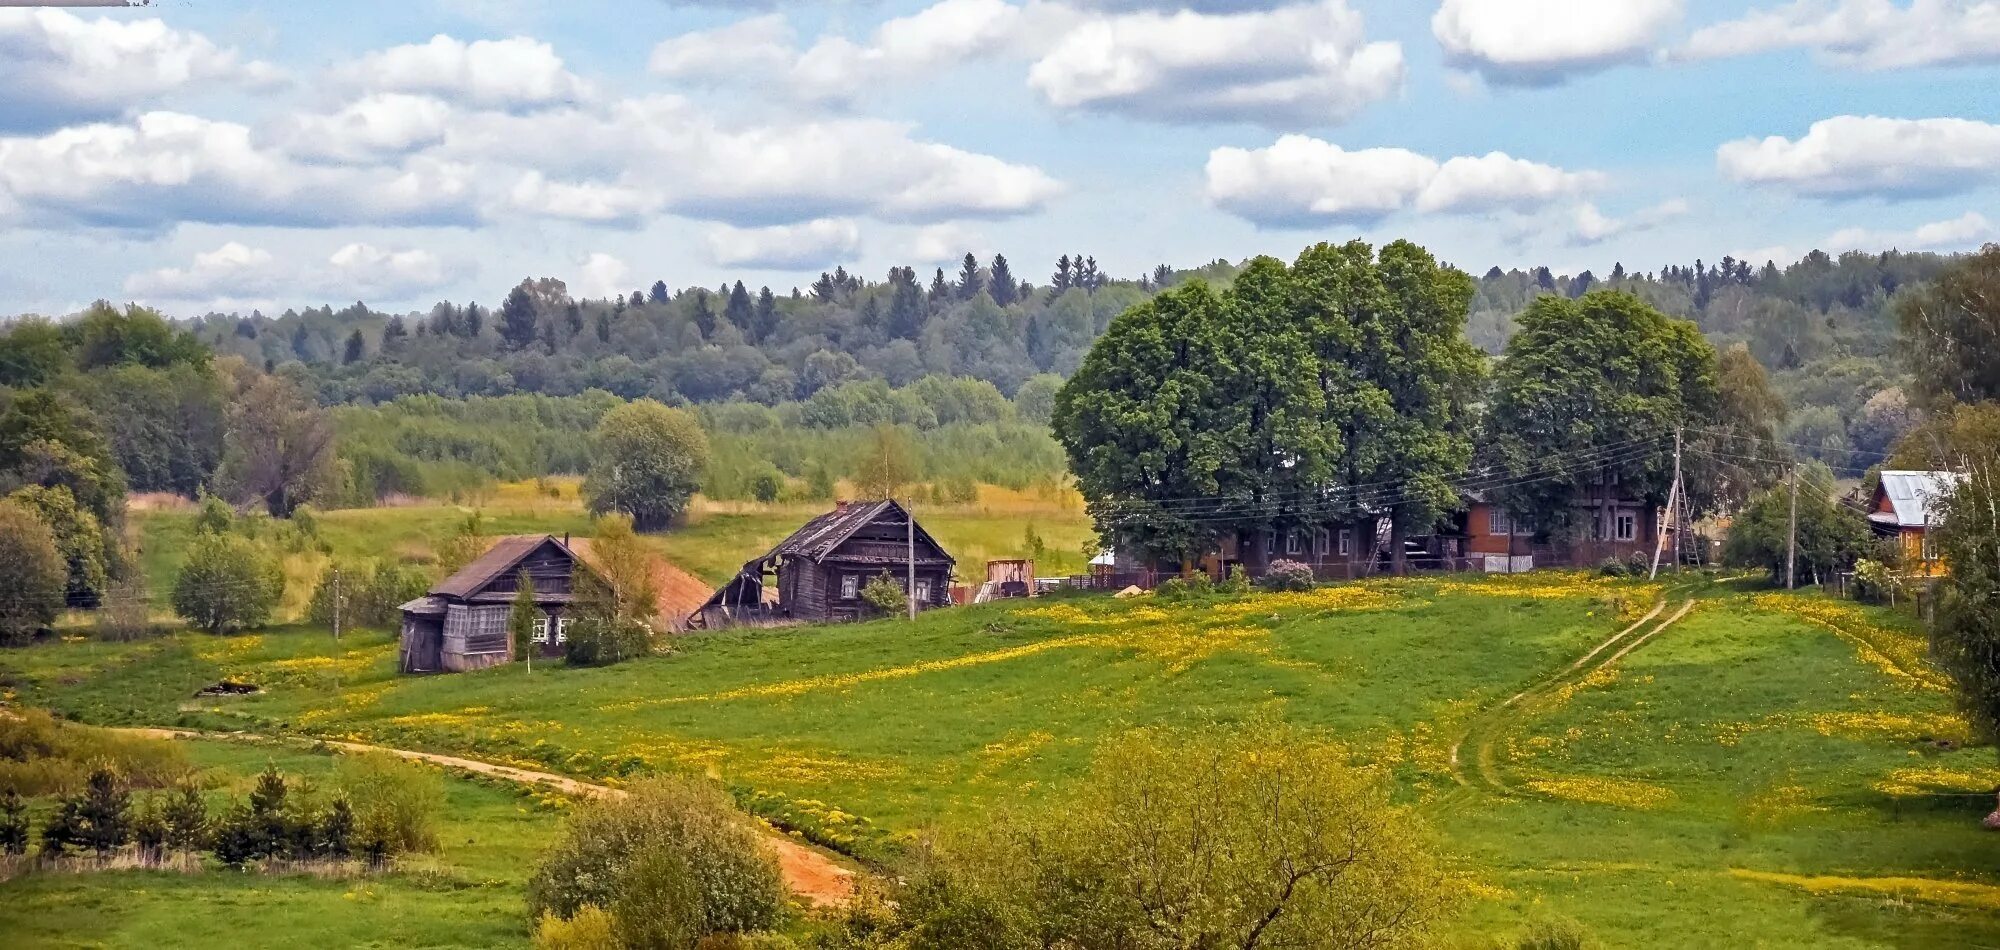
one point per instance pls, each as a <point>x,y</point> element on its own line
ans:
<point>461,624</point>
<point>817,573</point>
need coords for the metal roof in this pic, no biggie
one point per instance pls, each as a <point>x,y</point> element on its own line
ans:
<point>1912,494</point>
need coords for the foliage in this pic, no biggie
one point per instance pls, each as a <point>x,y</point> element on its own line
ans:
<point>263,826</point>
<point>280,444</point>
<point>41,756</point>
<point>1831,536</point>
<point>522,617</point>
<point>1257,836</point>
<point>590,928</point>
<point>13,823</point>
<point>78,535</point>
<point>228,583</point>
<point>370,595</point>
<point>1875,581</point>
<point>622,561</point>
<point>395,804</point>
<point>467,541</point>
<point>1288,575</point>
<point>768,485</point>
<point>887,464</point>
<point>608,625</point>
<point>33,575</point>
<point>1965,633</point>
<point>97,818</point>
<point>885,595</point>
<point>671,855</point>
<point>184,820</point>
<point>646,462</point>
<point>1951,329</point>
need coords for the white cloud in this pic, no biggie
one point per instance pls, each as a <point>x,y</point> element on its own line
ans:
<point>164,168</point>
<point>1853,156</point>
<point>582,201</point>
<point>1301,181</point>
<point>380,124</point>
<point>1310,63</point>
<point>57,68</point>
<point>516,72</point>
<point>755,46</point>
<point>236,276</point>
<point>945,243</point>
<point>603,276</point>
<point>1965,231</point>
<point>1864,34</point>
<point>1541,42</point>
<point>1592,226</point>
<point>817,243</point>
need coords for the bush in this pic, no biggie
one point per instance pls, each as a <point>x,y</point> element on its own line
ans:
<point>395,803</point>
<point>370,596</point>
<point>1237,582</point>
<point>590,928</point>
<point>885,595</point>
<point>126,615</point>
<point>1613,567</point>
<point>1554,935</point>
<point>603,641</point>
<point>263,827</point>
<point>768,485</point>
<point>672,858</point>
<point>1192,587</point>
<point>33,575</point>
<point>1289,575</point>
<point>40,756</point>
<point>1874,581</point>
<point>227,584</point>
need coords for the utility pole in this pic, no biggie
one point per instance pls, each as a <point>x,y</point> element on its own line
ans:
<point>1792,536</point>
<point>910,538</point>
<point>336,603</point>
<point>1672,516</point>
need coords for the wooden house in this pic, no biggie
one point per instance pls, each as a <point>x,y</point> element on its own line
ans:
<point>817,573</point>
<point>1904,507</point>
<point>461,624</point>
<point>1610,523</point>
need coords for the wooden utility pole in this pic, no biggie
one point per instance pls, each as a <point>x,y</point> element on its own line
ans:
<point>1672,516</point>
<point>1792,536</point>
<point>910,539</point>
<point>336,603</point>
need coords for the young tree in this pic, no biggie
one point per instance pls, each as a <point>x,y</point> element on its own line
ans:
<point>13,823</point>
<point>647,460</point>
<point>227,584</point>
<point>521,620</point>
<point>33,575</point>
<point>1743,432</point>
<point>1831,536</point>
<point>1965,633</point>
<point>888,463</point>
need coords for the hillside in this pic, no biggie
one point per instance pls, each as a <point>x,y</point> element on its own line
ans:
<point>1765,769</point>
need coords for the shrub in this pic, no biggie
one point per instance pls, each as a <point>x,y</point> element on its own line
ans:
<point>1613,567</point>
<point>227,584</point>
<point>1554,935</point>
<point>395,803</point>
<point>1289,575</point>
<point>33,575</point>
<point>1237,582</point>
<point>590,928</point>
<point>40,756</point>
<point>126,614</point>
<point>1874,581</point>
<point>215,516</point>
<point>884,594</point>
<point>673,850</point>
<point>767,486</point>
<point>603,641</point>
<point>1191,587</point>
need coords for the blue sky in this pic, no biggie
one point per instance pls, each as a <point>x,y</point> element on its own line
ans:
<point>201,155</point>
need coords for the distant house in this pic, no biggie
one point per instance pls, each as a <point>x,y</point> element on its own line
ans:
<point>1610,522</point>
<point>1905,507</point>
<point>462,623</point>
<point>817,573</point>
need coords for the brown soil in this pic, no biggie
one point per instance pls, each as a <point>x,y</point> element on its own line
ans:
<point>811,874</point>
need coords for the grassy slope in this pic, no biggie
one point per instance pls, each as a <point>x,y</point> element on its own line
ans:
<point>1705,750</point>
<point>468,895</point>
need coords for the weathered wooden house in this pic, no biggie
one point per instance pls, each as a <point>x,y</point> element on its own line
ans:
<point>462,623</point>
<point>1905,507</point>
<point>817,573</point>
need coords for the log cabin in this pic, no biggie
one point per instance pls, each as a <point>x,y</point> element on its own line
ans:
<point>817,573</point>
<point>1905,508</point>
<point>461,624</point>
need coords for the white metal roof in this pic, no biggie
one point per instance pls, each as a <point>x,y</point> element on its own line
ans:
<point>1912,495</point>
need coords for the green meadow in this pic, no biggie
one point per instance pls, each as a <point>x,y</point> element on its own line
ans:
<point>1769,769</point>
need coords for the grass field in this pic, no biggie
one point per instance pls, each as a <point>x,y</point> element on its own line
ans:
<point>1771,770</point>
<point>467,895</point>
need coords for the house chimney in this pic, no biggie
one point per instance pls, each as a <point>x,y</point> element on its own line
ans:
<point>565,539</point>
<point>840,506</point>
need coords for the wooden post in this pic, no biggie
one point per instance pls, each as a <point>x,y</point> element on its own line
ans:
<point>336,603</point>
<point>1791,539</point>
<point>910,538</point>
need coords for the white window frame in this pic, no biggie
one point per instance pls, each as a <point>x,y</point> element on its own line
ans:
<point>1926,545</point>
<point>1322,542</point>
<point>923,590</point>
<point>1626,525</point>
<point>1293,543</point>
<point>1346,542</point>
<point>562,629</point>
<point>850,586</point>
<point>1498,524</point>
<point>541,634</point>
<point>1270,541</point>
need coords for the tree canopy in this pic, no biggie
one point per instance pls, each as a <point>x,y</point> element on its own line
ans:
<point>647,462</point>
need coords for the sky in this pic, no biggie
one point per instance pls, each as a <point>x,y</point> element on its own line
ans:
<point>196,155</point>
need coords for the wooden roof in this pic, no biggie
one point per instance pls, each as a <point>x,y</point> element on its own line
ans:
<point>821,536</point>
<point>505,555</point>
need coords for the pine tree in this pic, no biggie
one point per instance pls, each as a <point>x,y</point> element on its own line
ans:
<point>738,310</point>
<point>704,315</point>
<point>393,334</point>
<point>1163,277</point>
<point>13,823</point>
<point>603,327</point>
<point>518,322</point>
<point>356,348</point>
<point>1004,288</point>
<point>104,810</point>
<point>637,299</point>
<point>766,320</point>
<point>969,282</point>
<point>822,289</point>
<point>906,309</point>
<point>1617,272</point>
<point>659,293</point>
<point>938,287</point>
<point>1091,278</point>
<point>1060,281</point>
<point>473,320</point>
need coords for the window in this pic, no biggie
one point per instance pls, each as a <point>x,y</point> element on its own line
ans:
<point>562,630</point>
<point>1497,522</point>
<point>1346,541</point>
<point>850,585</point>
<point>1322,542</point>
<point>1926,547</point>
<point>1628,526</point>
<point>1270,540</point>
<point>541,630</point>
<point>923,590</point>
<point>1293,544</point>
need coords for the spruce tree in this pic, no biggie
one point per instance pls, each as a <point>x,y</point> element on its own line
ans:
<point>969,281</point>
<point>356,348</point>
<point>659,293</point>
<point>704,315</point>
<point>518,323</point>
<point>13,823</point>
<point>739,311</point>
<point>104,811</point>
<point>766,319</point>
<point>1004,288</point>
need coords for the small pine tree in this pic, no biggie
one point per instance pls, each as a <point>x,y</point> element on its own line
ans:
<point>104,811</point>
<point>521,620</point>
<point>336,831</point>
<point>13,823</point>
<point>186,819</point>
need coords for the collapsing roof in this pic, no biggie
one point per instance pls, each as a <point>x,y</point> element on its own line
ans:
<point>1913,496</point>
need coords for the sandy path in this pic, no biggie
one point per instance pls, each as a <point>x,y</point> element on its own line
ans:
<point>810,874</point>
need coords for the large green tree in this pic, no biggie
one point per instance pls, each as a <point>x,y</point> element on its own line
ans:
<point>227,584</point>
<point>647,461</point>
<point>32,575</point>
<point>1593,388</point>
<point>1830,537</point>
<point>278,445</point>
<point>1951,331</point>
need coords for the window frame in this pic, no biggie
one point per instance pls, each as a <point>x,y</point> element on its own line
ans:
<point>541,630</point>
<point>1625,525</point>
<point>850,586</point>
<point>1293,544</point>
<point>1346,542</point>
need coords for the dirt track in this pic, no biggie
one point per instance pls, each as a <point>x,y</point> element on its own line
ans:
<point>810,874</point>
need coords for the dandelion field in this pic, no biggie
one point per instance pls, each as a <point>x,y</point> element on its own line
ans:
<point>1769,769</point>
